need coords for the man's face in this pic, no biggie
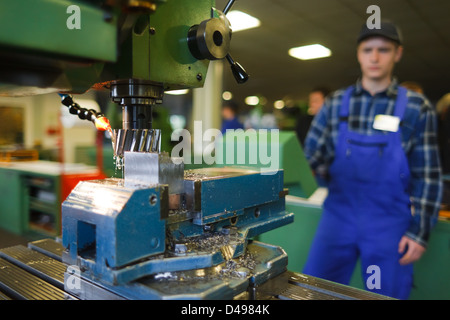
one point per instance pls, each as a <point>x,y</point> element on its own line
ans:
<point>227,113</point>
<point>377,57</point>
<point>316,100</point>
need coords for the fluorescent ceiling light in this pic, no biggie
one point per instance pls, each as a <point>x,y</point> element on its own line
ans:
<point>242,21</point>
<point>227,95</point>
<point>177,92</point>
<point>313,51</point>
<point>279,104</point>
<point>252,100</point>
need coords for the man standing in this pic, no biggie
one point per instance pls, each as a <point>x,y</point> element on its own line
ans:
<point>378,144</point>
<point>316,98</point>
<point>229,116</point>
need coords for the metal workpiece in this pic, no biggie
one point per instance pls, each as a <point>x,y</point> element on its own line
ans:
<point>151,168</point>
<point>136,140</point>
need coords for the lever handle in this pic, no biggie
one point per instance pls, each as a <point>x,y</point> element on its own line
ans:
<point>238,71</point>
<point>228,6</point>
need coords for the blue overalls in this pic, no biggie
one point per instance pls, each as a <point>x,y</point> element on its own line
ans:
<point>367,210</point>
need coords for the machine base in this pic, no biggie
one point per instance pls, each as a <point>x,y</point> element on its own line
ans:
<point>224,281</point>
<point>258,275</point>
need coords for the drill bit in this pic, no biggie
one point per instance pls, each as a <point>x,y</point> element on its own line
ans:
<point>137,140</point>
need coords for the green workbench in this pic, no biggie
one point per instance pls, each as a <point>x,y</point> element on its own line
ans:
<point>31,196</point>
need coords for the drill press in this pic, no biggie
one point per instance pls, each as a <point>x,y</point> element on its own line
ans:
<point>160,223</point>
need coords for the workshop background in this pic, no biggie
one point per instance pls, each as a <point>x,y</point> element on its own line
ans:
<point>45,151</point>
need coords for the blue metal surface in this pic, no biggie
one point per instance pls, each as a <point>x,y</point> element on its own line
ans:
<point>220,194</point>
<point>117,234</point>
<point>107,226</point>
<point>206,283</point>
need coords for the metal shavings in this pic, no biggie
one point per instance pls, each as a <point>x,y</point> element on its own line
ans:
<point>189,174</point>
<point>177,211</point>
<point>207,242</point>
<point>226,243</point>
<point>238,268</point>
<point>210,242</point>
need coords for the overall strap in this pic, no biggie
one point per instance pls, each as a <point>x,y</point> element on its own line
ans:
<point>344,110</point>
<point>345,103</point>
<point>401,102</point>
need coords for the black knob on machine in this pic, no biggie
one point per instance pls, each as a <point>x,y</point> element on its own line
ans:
<point>238,71</point>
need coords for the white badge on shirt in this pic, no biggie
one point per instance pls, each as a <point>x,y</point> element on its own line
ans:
<point>386,123</point>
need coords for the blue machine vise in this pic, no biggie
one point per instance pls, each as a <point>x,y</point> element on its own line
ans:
<point>161,219</point>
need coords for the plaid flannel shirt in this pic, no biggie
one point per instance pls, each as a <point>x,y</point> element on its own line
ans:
<point>419,141</point>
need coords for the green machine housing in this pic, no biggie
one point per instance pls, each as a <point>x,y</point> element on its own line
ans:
<point>112,43</point>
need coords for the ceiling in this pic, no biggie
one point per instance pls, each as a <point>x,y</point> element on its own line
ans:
<point>275,75</point>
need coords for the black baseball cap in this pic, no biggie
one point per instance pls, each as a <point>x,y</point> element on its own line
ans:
<point>387,30</point>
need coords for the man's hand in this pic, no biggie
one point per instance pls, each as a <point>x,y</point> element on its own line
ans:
<point>413,249</point>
